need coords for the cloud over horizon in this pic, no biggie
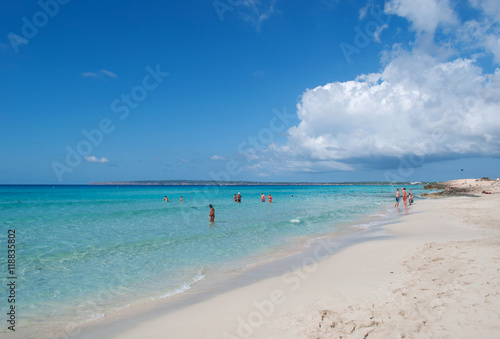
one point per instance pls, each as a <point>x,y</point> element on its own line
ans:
<point>433,100</point>
<point>94,159</point>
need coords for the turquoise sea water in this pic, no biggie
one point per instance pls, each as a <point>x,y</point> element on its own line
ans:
<point>83,251</point>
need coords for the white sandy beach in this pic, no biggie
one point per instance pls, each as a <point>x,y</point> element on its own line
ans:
<point>439,278</point>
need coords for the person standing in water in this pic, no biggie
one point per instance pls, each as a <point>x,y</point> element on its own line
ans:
<point>262,197</point>
<point>405,196</point>
<point>270,198</point>
<point>397,198</point>
<point>181,198</point>
<point>166,199</point>
<point>238,197</point>
<point>211,215</point>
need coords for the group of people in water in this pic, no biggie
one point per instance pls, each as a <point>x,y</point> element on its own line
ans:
<point>407,197</point>
<point>237,198</point>
<point>166,199</point>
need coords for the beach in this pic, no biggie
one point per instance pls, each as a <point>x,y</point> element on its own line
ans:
<point>90,253</point>
<point>431,274</point>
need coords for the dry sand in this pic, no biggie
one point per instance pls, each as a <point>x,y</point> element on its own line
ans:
<point>464,187</point>
<point>439,278</point>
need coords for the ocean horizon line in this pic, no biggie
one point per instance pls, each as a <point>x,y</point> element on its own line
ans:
<point>243,183</point>
<point>222,183</point>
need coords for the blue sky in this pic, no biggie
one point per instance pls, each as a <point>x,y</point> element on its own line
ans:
<point>268,90</point>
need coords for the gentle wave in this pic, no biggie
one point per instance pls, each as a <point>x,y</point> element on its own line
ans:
<point>184,287</point>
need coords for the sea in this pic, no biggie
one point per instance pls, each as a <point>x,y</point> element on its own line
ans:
<point>83,252</point>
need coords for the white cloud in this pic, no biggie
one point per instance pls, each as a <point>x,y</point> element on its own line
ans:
<point>425,15</point>
<point>108,73</point>
<point>216,157</point>
<point>363,11</point>
<point>490,7</point>
<point>90,75</point>
<point>98,74</point>
<point>493,45</point>
<point>257,11</point>
<point>417,105</point>
<point>432,102</point>
<point>94,159</point>
<point>378,32</point>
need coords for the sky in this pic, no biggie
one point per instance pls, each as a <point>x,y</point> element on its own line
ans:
<point>269,90</point>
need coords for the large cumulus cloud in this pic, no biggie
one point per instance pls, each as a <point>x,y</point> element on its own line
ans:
<point>422,103</point>
<point>398,111</point>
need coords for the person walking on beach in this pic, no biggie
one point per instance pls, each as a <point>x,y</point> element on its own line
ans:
<point>397,198</point>
<point>405,196</point>
<point>211,215</point>
<point>270,199</point>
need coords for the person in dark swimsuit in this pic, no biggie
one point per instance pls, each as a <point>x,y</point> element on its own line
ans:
<point>397,198</point>
<point>211,215</point>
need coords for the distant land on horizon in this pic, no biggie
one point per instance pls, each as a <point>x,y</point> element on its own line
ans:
<point>236,183</point>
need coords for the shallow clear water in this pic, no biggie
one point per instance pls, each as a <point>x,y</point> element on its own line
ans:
<point>82,251</point>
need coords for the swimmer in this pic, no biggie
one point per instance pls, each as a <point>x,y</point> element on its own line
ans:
<point>211,215</point>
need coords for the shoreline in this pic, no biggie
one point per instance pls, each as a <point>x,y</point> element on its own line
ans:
<point>51,325</point>
<point>358,288</point>
<point>367,228</point>
<point>282,260</point>
<point>221,280</point>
